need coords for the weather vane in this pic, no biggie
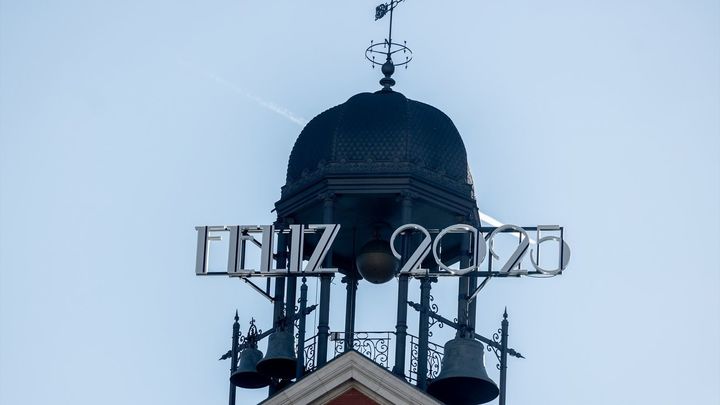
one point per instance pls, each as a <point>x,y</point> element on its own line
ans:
<point>387,48</point>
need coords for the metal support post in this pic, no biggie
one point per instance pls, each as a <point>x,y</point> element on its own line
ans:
<point>401,326</point>
<point>234,356</point>
<point>423,335</point>
<point>503,357</point>
<point>323,329</point>
<point>463,286</point>
<point>350,311</point>
<point>279,303</point>
<point>472,305</point>
<point>462,310</point>
<point>290,297</point>
<point>290,282</point>
<point>300,370</point>
<point>324,321</point>
<point>403,283</point>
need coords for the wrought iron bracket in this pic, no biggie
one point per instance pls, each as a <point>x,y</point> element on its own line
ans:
<point>497,338</point>
<point>260,336</point>
<point>286,321</point>
<point>258,289</point>
<point>459,327</point>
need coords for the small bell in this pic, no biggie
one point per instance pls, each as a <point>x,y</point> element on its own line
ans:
<point>280,360</point>
<point>247,375</point>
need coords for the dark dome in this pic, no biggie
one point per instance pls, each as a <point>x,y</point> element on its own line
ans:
<point>381,133</point>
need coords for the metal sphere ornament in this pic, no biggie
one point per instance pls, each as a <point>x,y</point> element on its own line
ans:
<point>376,263</point>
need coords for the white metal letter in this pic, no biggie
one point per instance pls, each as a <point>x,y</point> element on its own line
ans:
<point>201,258</point>
<point>297,239</point>
<point>563,261</point>
<point>268,239</point>
<point>478,250</point>
<point>327,238</point>
<point>517,256</point>
<point>415,261</point>
<point>238,248</point>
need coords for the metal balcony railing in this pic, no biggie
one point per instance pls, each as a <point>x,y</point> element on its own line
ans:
<point>379,347</point>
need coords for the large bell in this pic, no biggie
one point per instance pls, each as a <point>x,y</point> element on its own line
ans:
<point>463,379</point>
<point>280,360</point>
<point>246,375</point>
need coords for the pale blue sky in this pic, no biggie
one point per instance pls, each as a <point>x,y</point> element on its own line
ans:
<point>125,124</point>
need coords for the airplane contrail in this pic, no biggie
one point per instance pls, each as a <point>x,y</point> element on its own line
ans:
<point>282,111</point>
<point>277,109</point>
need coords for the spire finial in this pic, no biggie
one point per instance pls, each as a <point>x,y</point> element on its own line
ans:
<point>389,47</point>
<point>237,318</point>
